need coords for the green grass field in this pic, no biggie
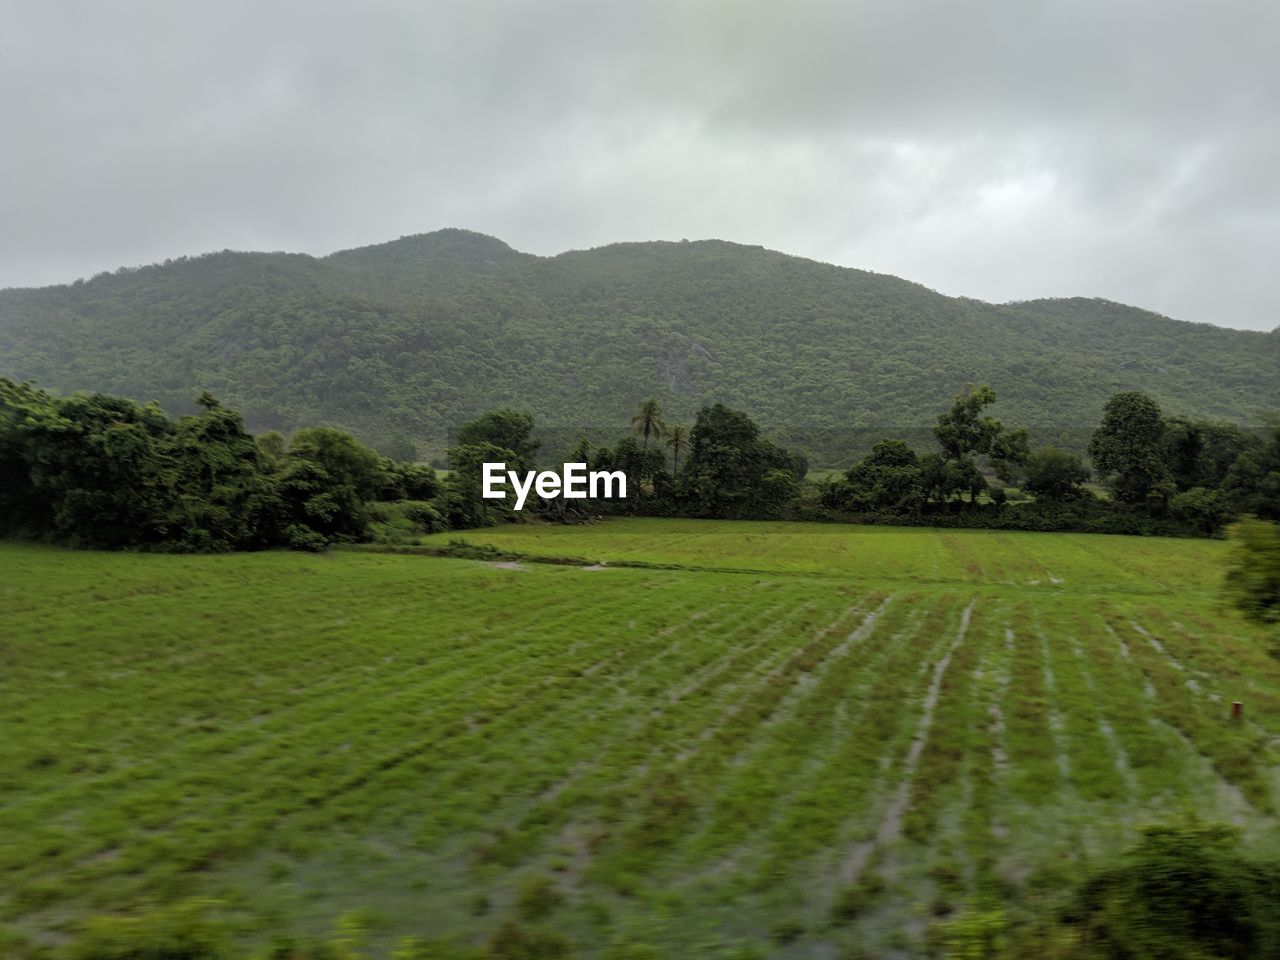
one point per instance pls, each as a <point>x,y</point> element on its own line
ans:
<point>902,555</point>
<point>807,738</point>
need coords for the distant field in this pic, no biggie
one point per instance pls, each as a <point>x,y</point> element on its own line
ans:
<point>1072,561</point>
<point>834,751</point>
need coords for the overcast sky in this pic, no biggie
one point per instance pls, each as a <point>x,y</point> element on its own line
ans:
<point>1004,150</point>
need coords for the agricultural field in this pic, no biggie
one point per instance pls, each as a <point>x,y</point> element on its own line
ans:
<point>1072,562</point>
<point>797,740</point>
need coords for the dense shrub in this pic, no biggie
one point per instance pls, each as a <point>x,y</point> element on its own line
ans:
<point>1206,511</point>
<point>425,517</point>
<point>1253,578</point>
<point>100,471</point>
<point>1186,891</point>
<point>1054,474</point>
<point>181,932</point>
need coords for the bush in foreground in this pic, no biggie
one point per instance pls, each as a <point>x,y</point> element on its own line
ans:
<point>1253,578</point>
<point>1185,892</point>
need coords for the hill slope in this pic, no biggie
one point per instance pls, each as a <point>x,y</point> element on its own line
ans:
<point>410,338</point>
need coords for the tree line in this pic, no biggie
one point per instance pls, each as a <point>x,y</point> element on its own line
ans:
<point>1157,474</point>
<point>100,471</point>
<point>106,472</point>
<point>720,467</point>
<point>1150,473</point>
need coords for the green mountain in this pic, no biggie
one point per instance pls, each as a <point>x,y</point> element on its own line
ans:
<point>410,338</point>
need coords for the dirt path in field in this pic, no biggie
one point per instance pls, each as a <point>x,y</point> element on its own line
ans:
<point>891,823</point>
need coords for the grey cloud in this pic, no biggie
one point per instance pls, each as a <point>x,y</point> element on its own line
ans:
<point>998,149</point>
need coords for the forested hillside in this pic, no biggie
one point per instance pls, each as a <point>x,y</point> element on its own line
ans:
<point>408,339</point>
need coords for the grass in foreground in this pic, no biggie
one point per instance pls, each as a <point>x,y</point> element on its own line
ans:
<point>841,749</point>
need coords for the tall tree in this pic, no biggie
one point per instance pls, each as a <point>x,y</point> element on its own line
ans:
<point>648,421</point>
<point>328,480</point>
<point>965,432</point>
<point>1127,449</point>
<point>644,469</point>
<point>1253,482</point>
<point>224,497</point>
<point>724,475</point>
<point>506,428</point>
<point>888,478</point>
<point>105,467</point>
<point>1200,453</point>
<point>464,504</point>
<point>23,507</point>
<point>677,440</point>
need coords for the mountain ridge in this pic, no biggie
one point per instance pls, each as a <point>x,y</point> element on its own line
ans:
<point>408,338</point>
<point>344,253</point>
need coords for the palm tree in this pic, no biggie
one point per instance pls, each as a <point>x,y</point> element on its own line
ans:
<point>648,421</point>
<point>677,440</point>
